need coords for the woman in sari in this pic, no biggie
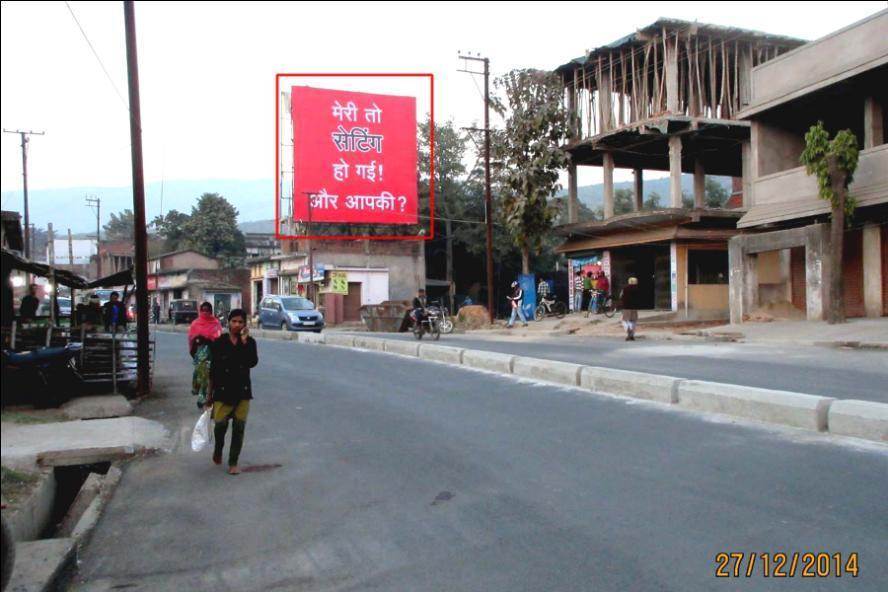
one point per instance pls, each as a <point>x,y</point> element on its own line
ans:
<point>205,329</point>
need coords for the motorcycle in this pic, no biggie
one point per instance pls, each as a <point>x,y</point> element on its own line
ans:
<point>430,323</point>
<point>46,374</point>
<point>445,324</point>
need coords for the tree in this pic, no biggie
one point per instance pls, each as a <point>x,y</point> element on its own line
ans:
<point>212,228</point>
<point>833,162</point>
<point>172,228</point>
<point>716,196</point>
<point>121,227</point>
<point>623,201</point>
<point>528,154</point>
<point>653,201</point>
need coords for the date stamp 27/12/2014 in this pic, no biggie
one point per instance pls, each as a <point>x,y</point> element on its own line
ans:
<point>786,565</point>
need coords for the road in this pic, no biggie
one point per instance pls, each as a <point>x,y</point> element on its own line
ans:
<point>840,373</point>
<point>387,473</point>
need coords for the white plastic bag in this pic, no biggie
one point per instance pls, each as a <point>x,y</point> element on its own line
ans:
<point>201,435</point>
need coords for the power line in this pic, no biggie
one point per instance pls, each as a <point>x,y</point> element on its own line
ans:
<point>95,53</point>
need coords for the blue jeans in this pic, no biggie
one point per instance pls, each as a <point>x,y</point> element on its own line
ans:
<point>518,312</point>
<point>578,300</point>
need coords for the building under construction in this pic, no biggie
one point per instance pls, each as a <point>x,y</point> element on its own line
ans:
<point>664,98</point>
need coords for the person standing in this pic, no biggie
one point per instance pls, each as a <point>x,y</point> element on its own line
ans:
<point>542,290</point>
<point>29,305</point>
<point>204,330</point>
<point>231,391</point>
<point>155,311</point>
<point>114,313</point>
<point>629,306</point>
<point>517,302</point>
<point>603,288</point>
<point>593,292</point>
<point>578,291</point>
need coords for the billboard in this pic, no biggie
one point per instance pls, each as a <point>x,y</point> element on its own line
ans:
<point>354,157</point>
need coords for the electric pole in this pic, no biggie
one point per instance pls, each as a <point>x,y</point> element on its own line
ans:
<point>94,201</point>
<point>488,203</point>
<point>141,236</point>
<point>309,291</point>
<point>24,135</point>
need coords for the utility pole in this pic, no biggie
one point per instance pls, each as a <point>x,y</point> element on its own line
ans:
<point>70,250</point>
<point>309,195</point>
<point>141,236</point>
<point>94,201</point>
<point>24,135</point>
<point>488,203</point>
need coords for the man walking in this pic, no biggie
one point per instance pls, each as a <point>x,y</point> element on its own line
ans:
<point>517,301</point>
<point>230,390</point>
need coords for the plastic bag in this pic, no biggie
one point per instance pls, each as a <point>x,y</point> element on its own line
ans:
<point>201,435</point>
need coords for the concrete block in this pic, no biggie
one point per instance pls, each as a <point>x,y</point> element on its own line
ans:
<point>548,370</point>
<point>783,407</point>
<point>89,491</point>
<point>313,338</point>
<point>98,407</point>
<point>83,456</point>
<point>638,385</point>
<point>31,517</point>
<point>861,419</point>
<point>340,339</point>
<point>440,353</point>
<point>43,565</point>
<point>366,342</point>
<point>492,361</point>
<point>405,348</point>
<point>87,520</point>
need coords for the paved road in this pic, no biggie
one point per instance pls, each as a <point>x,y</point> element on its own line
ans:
<point>399,474</point>
<point>844,374</point>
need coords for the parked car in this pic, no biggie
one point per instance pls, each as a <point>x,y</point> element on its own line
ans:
<point>292,313</point>
<point>183,311</point>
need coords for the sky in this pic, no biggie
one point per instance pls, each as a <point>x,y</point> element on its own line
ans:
<point>207,71</point>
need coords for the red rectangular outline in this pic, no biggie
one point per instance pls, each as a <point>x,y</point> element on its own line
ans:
<point>277,157</point>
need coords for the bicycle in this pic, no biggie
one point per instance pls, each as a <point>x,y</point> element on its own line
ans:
<point>549,307</point>
<point>606,305</point>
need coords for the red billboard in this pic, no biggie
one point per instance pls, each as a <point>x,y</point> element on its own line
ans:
<point>354,157</point>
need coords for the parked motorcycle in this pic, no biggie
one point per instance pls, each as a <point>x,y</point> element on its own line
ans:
<point>48,374</point>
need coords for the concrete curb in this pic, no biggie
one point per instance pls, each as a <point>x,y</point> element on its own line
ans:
<point>548,370</point>
<point>859,419</point>
<point>653,387</point>
<point>783,407</point>
<point>43,565</point>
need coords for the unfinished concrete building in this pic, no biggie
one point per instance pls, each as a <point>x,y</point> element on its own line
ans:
<point>664,98</point>
<point>841,80</point>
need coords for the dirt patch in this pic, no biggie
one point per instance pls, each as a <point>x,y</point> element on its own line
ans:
<point>17,485</point>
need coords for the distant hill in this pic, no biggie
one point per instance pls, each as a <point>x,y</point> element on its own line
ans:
<point>65,208</point>
<point>593,195</point>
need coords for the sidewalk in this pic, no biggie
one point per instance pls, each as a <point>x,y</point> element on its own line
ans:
<point>857,333</point>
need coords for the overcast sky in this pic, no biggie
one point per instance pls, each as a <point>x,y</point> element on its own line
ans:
<point>208,70</point>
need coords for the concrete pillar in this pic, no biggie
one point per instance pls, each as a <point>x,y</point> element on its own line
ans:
<point>817,271</point>
<point>872,270</point>
<point>736,279</point>
<point>572,200</point>
<point>638,193</point>
<point>675,171</point>
<point>747,173</point>
<point>872,123</point>
<point>671,63</point>
<point>605,103</point>
<point>744,76</point>
<point>699,183</point>
<point>608,170</point>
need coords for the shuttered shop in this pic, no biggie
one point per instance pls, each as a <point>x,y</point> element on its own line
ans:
<point>852,273</point>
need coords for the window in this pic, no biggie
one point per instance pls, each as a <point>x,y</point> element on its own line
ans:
<point>707,267</point>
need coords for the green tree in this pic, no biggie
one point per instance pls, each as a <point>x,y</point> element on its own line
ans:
<point>212,228</point>
<point>653,202</point>
<point>121,227</point>
<point>834,163</point>
<point>528,154</point>
<point>173,229</point>
<point>716,194</point>
<point>623,201</point>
